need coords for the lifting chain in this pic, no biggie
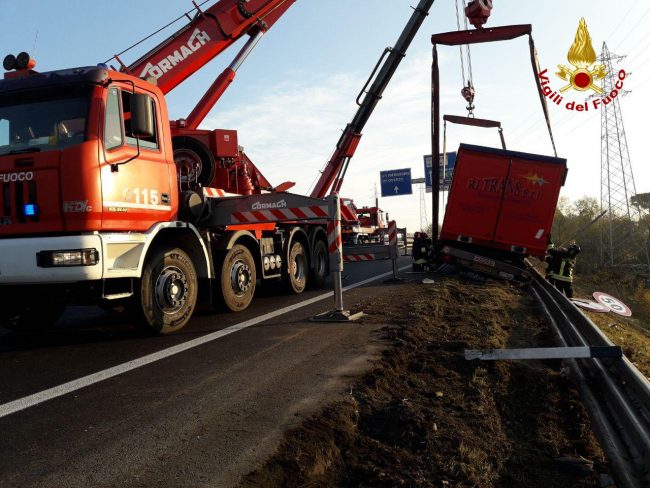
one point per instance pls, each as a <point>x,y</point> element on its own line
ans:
<point>468,91</point>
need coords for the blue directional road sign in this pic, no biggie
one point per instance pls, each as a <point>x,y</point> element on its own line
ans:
<point>447,171</point>
<point>396,182</point>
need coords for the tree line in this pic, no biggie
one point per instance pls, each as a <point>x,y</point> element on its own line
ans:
<point>626,242</point>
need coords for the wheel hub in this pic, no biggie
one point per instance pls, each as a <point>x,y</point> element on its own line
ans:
<point>240,277</point>
<point>189,166</point>
<point>298,267</point>
<point>321,263</point>
<point>171,289</point>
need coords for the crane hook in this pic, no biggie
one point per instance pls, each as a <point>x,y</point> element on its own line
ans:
<point>468,93</point>
<point>478,12</point>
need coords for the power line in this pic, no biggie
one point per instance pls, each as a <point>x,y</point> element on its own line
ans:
<point>632,29</point>
<point>622,19</point>
<point>630,59</point>
<point>639,85</point>
<point>530,130</point>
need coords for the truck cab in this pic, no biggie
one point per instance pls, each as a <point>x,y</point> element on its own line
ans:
<point>84,158</point>
<point>66,141</point>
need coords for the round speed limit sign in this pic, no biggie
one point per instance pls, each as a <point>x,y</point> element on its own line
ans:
<point>614,304</point>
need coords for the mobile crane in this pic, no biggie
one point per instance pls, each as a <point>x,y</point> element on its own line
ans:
<point>104,200</point>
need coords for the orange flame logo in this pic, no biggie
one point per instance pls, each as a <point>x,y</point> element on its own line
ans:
<point>582,54</point>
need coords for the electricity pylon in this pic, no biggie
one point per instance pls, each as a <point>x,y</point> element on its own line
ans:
<point>621,240</point>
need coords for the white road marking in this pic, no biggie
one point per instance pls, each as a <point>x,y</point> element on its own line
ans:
<point>57,391</point>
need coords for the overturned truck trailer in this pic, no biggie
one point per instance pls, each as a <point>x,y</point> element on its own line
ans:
<point>500,208</point>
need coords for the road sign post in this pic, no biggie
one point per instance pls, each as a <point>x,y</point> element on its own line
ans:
<point>396,182</point>
<point>446,171</point>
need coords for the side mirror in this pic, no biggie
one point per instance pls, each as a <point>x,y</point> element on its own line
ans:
<point>141,116</point>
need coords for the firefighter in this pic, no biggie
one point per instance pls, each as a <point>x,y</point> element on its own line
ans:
<point>419,251</point>
<point>561,263</point>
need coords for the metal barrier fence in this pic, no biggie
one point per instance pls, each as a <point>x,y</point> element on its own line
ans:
<point>353,254</point>
<point>377,252</point>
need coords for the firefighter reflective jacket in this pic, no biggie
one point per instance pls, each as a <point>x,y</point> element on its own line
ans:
<point>561,264</point>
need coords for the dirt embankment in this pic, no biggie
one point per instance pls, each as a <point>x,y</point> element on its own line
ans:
<point>424,416</point>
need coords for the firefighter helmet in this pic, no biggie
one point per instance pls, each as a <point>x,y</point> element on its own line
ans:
<point>574,249</point>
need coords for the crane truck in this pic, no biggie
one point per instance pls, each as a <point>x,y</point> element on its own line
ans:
<point>104,200</point>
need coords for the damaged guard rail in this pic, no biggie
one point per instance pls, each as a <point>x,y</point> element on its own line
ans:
<point>614,391</point>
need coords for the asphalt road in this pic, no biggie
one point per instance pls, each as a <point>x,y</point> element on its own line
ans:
<point>202,417</point>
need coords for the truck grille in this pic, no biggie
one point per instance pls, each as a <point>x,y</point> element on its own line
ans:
<point>14,195</point>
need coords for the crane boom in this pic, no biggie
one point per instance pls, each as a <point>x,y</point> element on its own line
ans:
<point>334,172</point>
<point>208,33</point>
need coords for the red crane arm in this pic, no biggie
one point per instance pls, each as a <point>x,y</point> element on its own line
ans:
<point>208,33</point>
<point>332,176</point>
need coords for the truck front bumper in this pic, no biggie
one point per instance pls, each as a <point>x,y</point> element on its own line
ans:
<point>19,263</point>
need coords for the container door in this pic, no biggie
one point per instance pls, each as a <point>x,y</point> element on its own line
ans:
<point>475,196</point>
<point>529,202</point>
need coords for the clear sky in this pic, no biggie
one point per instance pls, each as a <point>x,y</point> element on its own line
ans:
<point>296,92</point>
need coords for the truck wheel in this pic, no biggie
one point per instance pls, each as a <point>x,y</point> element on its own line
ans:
<point>321,263</point>
<point>295,273</point>
<point>168,291</point>
<point>238,278</point>
<point>195,163</point>
<point>31,319</point>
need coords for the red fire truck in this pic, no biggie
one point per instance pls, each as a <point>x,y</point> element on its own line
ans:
<point>103,199</point>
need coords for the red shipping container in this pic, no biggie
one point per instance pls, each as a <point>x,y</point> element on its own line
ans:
<point>503,200</point>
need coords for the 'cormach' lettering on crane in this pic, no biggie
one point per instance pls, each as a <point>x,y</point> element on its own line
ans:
<point>198,39</point>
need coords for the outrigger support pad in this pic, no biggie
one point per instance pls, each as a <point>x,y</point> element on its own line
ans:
<point>337,316</point>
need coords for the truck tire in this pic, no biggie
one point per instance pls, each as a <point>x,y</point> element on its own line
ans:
<point>321,263</point>
<point>238,277</point>
<point>167,291</point>
<point>192,156</point>
<point>31,319</point>
<point>294,274</point>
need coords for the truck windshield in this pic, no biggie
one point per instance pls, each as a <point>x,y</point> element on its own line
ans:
<point>43,120</point>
